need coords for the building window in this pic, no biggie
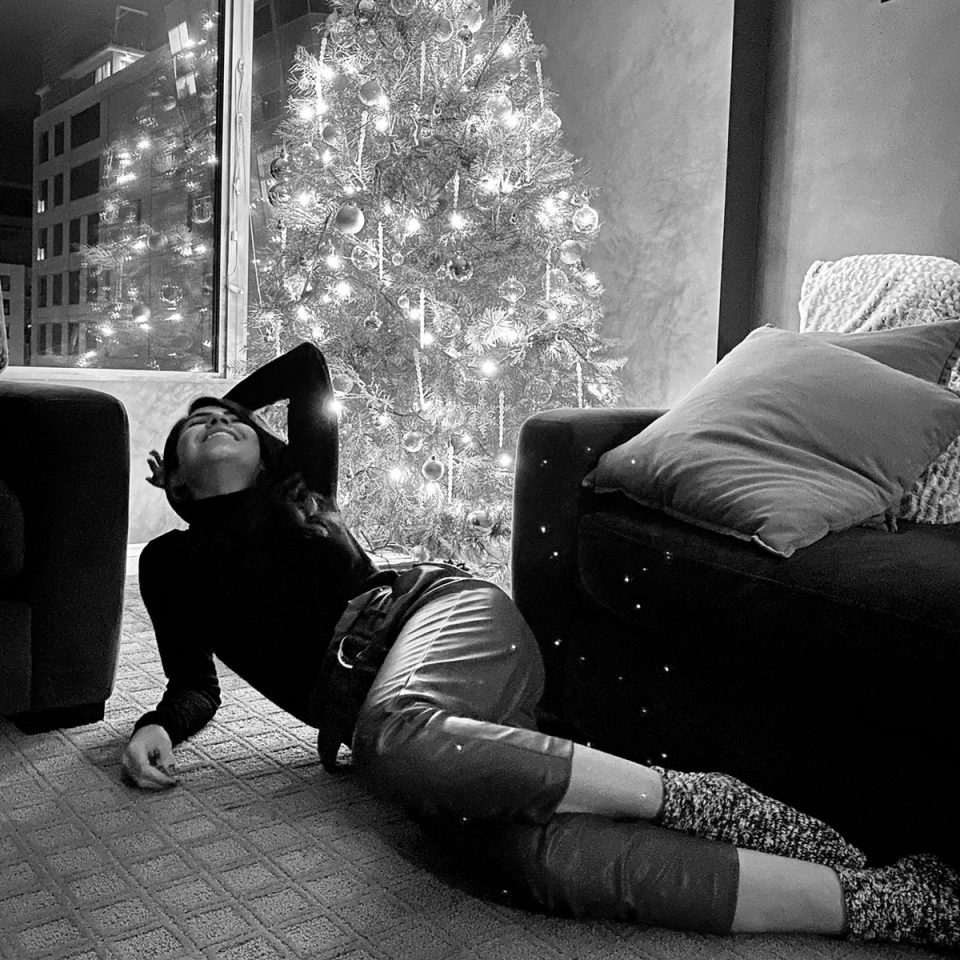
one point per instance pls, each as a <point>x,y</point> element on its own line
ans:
<point>43,148</point>
<point>73,287</point>
<point>93,229</point>
<point>103,71</point>
<point>6,307</point>
<point>106,283</point>
<point>58,145</point>
<point>57,289</point>
<point>42,189</point>
<point>58,239</point>
<point>5,282</point>
<point>42,243</point>
<point>42,338</point>
<point>75,235</point>
<point>93,284</point>
<point>57,189</point>
<point>85,126</point>
<point>42,291</point>
<point>73,339</point>
<point>56,331</point>
<point>85,179</point>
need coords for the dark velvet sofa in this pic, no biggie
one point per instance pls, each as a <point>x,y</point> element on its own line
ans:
<point>64,479</point>
<point>828,679</point>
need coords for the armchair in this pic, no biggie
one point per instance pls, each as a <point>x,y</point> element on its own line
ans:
<point>64,478</point>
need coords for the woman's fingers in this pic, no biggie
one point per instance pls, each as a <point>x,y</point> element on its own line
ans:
<point>144,772</point>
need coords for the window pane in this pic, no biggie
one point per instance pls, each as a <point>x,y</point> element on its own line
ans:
<point>85,126</point>
<point>56,331</point>
<point>126,125</point>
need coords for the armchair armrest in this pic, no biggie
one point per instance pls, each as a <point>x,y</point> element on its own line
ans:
<point>555,451</point>
<point>64,451</point>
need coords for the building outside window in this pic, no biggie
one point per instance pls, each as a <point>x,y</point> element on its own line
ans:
<point>57,239</point>
<point>42,196</point>
<point>93,228</point>
<point>42,290</point>
<point>56,337</point>
<point>93,284</point>
<point>43,147</point>
<point>57,298</point>
<point>73,287</point>
<point>58,145</point>
<point>57,189</point>
<point>75,235</point>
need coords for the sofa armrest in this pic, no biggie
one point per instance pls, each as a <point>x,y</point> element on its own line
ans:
<point>555,451</point>
<point>64,452</point>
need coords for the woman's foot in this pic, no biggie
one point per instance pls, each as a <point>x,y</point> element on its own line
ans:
<point>915,900</point>
<point>720,807</point>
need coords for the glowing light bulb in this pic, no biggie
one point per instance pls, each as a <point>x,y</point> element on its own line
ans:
<point>176,317</point>
<point>349,190</point>
<point>550,206</point>
<point>507,49</point>
<point>305,198</point>
<point>200,248</point>
<point>396,474</point>
<point>316,332</point>
<point>511,121</point>
<point>412,225</point>
<point>590,278</point>
<point>326,157</point>
<point>140,245</point>
<point>343,289</point>
<point>382,124</point>
<point>107,330</point>
<point>303,313</point>
<point>488,368</point>
<point>336,406</point>
<point>458,221</point>
<point>307,112</point>
<point>552,315</point>
<point>334,261</point>
<point>504,459</point>
<point>143,143</point>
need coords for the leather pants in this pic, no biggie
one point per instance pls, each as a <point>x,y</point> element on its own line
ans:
<point>448,729</point>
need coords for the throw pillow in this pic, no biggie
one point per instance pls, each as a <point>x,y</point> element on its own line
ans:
<point>880,291</point>
<point>757,450</point>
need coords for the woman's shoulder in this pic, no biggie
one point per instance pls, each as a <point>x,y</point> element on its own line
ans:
<point>160,549</point>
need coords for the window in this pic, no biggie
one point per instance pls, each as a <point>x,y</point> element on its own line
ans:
<point>93,229</point>
<point>57,189</point>
<point>93,284</point>
<point>57,289</point>
<point>5,282</point>
<point>43,148</point>
<point>58,139</point>
<point>73,339</point>
<point>42,338</point>
<point>58,239</point>
<point>42,290</point>
<point>103,71</point>
<point>85,126</point>
<point>57,336</point>
<point>42,189</point>
<point>85,179</point>
<point>6,307</point>
<point>130,212</point>
<point>73,287</point>
<point>42,243</point>
<point>75,235</point>
<point>288,10</point>
<point>106,285</point>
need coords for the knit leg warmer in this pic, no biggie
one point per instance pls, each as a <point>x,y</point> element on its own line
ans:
<point>720,807</point>
<point>914,901</point>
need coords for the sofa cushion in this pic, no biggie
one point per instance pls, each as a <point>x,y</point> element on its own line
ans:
<point>880,291</point>
<point>11,533</point>
<point>787,439</point>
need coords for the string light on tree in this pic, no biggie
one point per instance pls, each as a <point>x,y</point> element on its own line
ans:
<point>446,240</point>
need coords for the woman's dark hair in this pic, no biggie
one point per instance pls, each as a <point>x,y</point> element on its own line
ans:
<point>274,454</point>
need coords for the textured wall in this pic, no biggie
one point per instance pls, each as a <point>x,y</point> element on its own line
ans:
<point>862,138</point>
<point>644,92</point>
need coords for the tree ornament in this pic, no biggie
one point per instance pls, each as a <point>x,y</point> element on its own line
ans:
<point>571,251</point>
<point>432,470</point>
<point>512,289</point>
<point>340,27</point>
<point>170,293</point>
<point>398,259</point>
<point>403,302</point>
<point>412,441</point>
<point>481,519</point>
<point>366,8</point>
<point>472,18</point>
<point>363,257</point>
<point>140,313</point>
<point>168,104</point>
<point>443,29</point>
<point>342,383</point>
<point>538,391</point>
<point>548,121</point>
<point>555,281</point>
<point>460,268</point>
<point>201,208</point>
<point>305,154</point>
<point>372,321</point>
<point>511,66</point>
<point>403,8</point>
<point>278,167</point>
<point>157,241</point>
<point>465,35</point>
<point>485,195</point>
<point>278,194</point>
<point>498,105</point>
<point>349,219</point>
<point>332,134</point>
<point>371,93</point>
<point>586,219</point>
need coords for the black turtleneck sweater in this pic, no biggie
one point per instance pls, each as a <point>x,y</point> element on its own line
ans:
<point>250,580</point>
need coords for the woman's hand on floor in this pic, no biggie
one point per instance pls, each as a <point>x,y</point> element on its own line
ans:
<point>148,759</point>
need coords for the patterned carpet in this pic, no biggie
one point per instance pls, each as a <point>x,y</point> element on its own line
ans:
<point>260,855</point>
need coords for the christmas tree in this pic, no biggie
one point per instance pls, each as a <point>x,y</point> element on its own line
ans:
<point>430,235</point>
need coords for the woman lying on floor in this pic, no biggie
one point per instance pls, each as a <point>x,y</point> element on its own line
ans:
<point>263,578</point>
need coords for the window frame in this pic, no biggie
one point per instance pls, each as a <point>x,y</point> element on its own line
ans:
<point>231,259</point>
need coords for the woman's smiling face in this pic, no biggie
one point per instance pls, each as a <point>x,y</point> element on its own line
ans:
<point>212,441</point>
